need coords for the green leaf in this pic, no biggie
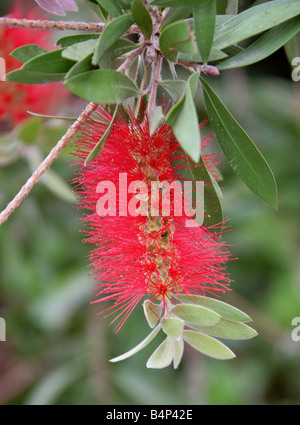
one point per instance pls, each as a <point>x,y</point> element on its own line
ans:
<point>228,329</point>
<point>102,86</point>
<point>185,121</point>
<point>152,312</point>
<point>204,25</point>
<point>226,311</point>
<point>112,32</point>
<point>22,76</point>
<point>119,48</point>
<point>292,48</point>
<point>48,63</point>
<point>254,21</point>
<point>74,39</point>
<point>196,314</point>
<point>29,130</point>
<point>100,145</point>
<point>264,46</point>
<point>175,88</point>
<point>54,117</point>
<point>176,3</point>
<point>176,14</point>
<point>142,17</point>
<point>232,7</point>
<point>25,53</point>
<point>111,6</point>
<point>81,66</point>
<point>172,326</point>
<point>207,345</point>
<point>162,356</point>
<point>155,118</point>
<point>176,37</point>
<point>139,347</point>
<point>243,156</point>
<point>79,51</point>
<point>178,347</point>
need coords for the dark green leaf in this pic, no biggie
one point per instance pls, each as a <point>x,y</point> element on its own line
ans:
<point>176,14</point>
<point>119,48</point>
<point>139,347</point>
<point>79,51</point>
<point>204,25</point>
<point>74,39</point>
<point>196,314</point>
<point>142,17</point>
<point>48,63</point>
<point>102,86</point>
<point>175,88</point>
<point>100,145</point>
<point>264,46</point>
<point>207,345</point>
<point>228,329</point>
<point>242,154</point>
<point>176,3</point>
<point>254,21</point>
<point>113,31</point>
<point>162,356</point>
<point>111,6</point>
<point>176,37</point>
<point>82,66</point>
<point>25,53</point>
<point>23,76</point>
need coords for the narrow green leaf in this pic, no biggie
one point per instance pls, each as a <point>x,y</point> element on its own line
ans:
<point>176,3</point>
<point>178,347</point>
<point>176,14</point>
<point>23,76</point>
<point>119,48</point>
<point>152,312</point>
<point>53,117</point>
<point>111,6</point>
<point>176,37</point>
<point>243,156</point>
<point>102,86</point>
<point>196,314</point>
<point>81,66</point>
<point>204,25</point>
<point>264,46</point>
<point>142,17</point>
<point>172,326</point>
<point>207,345</point>
<point>139,347</point>
<point>226,311</point>
<point>79,51</point>
<point>49,62</point>
<point>100,145</point>
<point>112,32</point>
<point>232,7</point>
<point>156,117</point>
<point>292,48</point>
<point>254,21</point>
<point>228,329</point>
<point>162,356</point>
<point>29,130</point>
<point>175,88</point>
<point>25,53</point>
<point>186,125</point>
<point>74,39</point>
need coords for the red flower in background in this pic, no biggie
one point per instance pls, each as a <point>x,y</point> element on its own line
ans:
<point>17,99</point>
<point>156,256</point>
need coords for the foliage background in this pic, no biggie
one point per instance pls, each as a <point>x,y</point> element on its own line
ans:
<point>57,349</point>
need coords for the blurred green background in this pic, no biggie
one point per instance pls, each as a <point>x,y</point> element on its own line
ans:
<point>57,348</point>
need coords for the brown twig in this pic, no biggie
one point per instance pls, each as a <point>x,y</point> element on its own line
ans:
<point>31,182</point>
<point>131,58</point>
<point>52,25</point>
<point>155,77</point>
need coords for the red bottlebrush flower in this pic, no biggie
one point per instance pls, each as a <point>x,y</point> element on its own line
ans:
<point>17,99</point>
<point>141,251</point>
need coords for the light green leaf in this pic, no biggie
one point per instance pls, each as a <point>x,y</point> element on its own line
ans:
<point>196,314</point>
<point>204,24</point>
<point>102,86</point>
<point>100,145</point>
<point>155,117</point>
<point>29,130</point>
<point>175,88</point>
<point>111,6</point>
<point>254,21</point>
<point>25,53</point>
<point>81,66</point>
<point>162,356</point>
<point>139,347</point>
<point>142,17</point>
<point>228,329</point>
<point>79,51</point>
<point>112,32</point>
<point>207,345</point>
<point>176,37</point>
<point>264,46</point>
<point>242,154</point>
<point>54,117</point>
<point>172,326</point>
<point>226,311</point>
<point>178,347</point>
<point>176,14</point>
<point>119,48</point>
<point>152,312</point>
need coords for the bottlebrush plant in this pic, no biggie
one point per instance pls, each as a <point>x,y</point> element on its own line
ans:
<point>157,238</point>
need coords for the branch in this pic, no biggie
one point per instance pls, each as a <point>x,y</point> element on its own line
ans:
<point>52,25</point>
<point>46,163</point>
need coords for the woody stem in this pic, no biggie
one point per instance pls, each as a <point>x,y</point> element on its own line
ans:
<point>54,153</point>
